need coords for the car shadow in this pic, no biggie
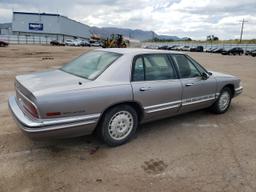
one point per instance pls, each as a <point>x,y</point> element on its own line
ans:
<point>174,121</point>
<point>93,144</point>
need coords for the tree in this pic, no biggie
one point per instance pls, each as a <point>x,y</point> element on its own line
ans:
<point>212,38</point>
<point>215,38</point>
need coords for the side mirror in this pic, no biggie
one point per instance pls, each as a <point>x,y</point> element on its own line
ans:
<point>205,76</point>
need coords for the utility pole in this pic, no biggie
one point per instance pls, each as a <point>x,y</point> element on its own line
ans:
<point>242,29</point>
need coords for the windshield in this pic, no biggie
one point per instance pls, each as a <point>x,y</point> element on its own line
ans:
<point>91,64</point>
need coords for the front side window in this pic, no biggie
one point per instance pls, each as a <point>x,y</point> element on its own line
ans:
<point>90,65</point>
<point>152,67</point>
<point>185,67</point>
<point>198,66</point>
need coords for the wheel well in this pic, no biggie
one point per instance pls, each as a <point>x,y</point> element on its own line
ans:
<point>138,108</point>
<point>231,87</point>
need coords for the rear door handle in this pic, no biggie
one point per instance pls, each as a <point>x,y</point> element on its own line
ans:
<point>145,88</point>
<point>189,84</point>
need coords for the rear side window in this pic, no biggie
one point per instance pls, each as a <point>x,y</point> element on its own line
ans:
<point>185,67</point>
<point>153,67</point>
<point>138,72</point>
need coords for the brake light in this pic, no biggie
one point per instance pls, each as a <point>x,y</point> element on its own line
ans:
<point>31,109</point>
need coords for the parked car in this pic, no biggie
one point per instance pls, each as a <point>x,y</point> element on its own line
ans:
<point>163,47</point>
<point>253,53</point>
<point>185,48</point>
<point>218,50</point>
<point>179,48</point>
<point>112,91</point>
<point>56,43</point>
<point>197,49</point>
<point>210,50</point>
<point>96,44</point>
<point>172,47</point>
<point>249,52</point>
<point>233,51</point>
<point>3,43</point>
<point>148,47</point>
<point>78,42</point>
<point>84,43</point>
<point>207,50</point>
<point>70,42</point>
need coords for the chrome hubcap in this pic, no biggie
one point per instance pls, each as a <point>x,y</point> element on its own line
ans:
<point>224,101</point>
<point>120,125</point>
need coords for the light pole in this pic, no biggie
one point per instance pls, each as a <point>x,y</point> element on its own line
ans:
<point>242,30</point>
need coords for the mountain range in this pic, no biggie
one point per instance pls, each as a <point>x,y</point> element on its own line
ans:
<point>133,34</point>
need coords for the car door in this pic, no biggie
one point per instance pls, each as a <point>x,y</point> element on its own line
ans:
<point>156,86</point>
<point>198,87</point>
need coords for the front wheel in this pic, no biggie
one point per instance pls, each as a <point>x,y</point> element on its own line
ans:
<point>223,102</point>
<point>118,125</point>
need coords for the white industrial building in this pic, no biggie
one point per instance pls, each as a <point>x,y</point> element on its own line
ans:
<point>52,26</point>
<point>5,29</point>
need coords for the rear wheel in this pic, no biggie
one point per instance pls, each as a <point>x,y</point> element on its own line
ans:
<point>223,102</point>
<point>118,125</point>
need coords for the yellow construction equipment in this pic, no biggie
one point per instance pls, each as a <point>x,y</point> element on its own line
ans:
<point>115,41</point>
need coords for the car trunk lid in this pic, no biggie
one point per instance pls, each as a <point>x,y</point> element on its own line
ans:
<point>48,82</point>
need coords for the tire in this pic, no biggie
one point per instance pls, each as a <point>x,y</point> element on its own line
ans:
<point>223,102</point>
<point>124,122</point>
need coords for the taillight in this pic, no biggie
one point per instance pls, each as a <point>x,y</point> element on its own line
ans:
<point>29,107</point>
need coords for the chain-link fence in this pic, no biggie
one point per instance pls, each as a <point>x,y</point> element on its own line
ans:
<point>206,45</point>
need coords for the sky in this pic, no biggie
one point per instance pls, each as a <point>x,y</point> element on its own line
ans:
<point>182,18</point>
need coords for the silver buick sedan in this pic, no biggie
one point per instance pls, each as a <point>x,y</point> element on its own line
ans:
<point>112,91</point>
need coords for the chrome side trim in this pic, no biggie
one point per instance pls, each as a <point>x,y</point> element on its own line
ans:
<point>239,88</point>
<point>58,127</point>
<point>176,104</point>
<point>162,109</point>
<point>238,91</point>
<point>162,106</point>
<point>92,118</point>
<point>200,99</point>
<point>43,123</point>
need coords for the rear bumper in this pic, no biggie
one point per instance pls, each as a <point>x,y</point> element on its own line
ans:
<point>238,91</point>
<point>52,128</point>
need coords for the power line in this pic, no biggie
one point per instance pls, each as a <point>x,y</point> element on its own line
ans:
<point>242,29</point>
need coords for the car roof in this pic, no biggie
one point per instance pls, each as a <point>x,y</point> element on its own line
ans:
<point>136,51</point>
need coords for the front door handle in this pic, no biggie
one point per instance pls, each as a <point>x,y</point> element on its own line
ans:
<point>189,84</point>
<point>145,88</point>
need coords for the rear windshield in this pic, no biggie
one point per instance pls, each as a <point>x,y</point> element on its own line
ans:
<point>91,64</point>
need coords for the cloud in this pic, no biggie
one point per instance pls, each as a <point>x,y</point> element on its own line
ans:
<point>192,18</point>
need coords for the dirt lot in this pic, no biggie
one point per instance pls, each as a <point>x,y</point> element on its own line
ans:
<point>195,152</point>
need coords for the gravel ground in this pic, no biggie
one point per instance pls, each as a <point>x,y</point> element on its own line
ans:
<point>196,151</point>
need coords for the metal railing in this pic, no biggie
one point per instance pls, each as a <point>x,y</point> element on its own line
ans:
<point>206,45</point>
